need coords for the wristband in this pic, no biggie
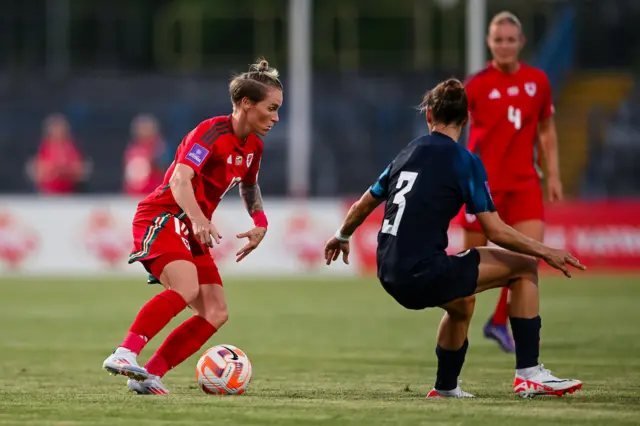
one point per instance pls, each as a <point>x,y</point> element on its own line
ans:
<point>342,237</point>
<point>260,219</point>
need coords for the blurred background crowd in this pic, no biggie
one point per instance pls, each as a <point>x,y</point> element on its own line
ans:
<point>95,95</point>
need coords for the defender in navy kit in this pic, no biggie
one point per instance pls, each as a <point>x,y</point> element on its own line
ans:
<point>424,188</point>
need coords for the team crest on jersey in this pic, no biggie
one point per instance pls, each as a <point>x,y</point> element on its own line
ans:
<point>238,160</point>
<point>530,88</point>
<point>249,159</point>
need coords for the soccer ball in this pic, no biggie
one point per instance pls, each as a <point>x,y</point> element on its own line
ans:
<point>224,370</point>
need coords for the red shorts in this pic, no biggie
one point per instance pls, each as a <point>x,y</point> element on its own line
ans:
<point>512,206</point>
<point>163,239</point>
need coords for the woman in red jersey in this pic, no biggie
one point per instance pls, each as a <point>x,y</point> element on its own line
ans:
<point>172,230</point>
<point>58,167</point>
<point>511,118</point>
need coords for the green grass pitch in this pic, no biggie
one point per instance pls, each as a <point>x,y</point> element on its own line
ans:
<point>324,352</point>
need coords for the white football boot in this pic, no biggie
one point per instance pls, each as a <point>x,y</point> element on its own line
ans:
<point>534,381</point>
<point>454,393</point>
<point>152,386</point>
<point>124,362</point>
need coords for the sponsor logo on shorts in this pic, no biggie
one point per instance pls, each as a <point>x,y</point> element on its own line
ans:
<point>470,218</point>
<point>463,253</point>
<point>197,154</point>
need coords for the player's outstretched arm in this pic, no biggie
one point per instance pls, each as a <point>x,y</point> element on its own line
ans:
<point>506,237</point>
<point>182,190</point>
<point>358,212</point>
<point>252,198</point>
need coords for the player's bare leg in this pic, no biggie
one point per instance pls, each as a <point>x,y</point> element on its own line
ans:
<point>520,273</point>
<point>180,279</point>
<point>531,228</point>
<point>496,328</point>
<point>211,313</point>
<point>473,239</point>
<point>452,348</point>
<point>453,330</point>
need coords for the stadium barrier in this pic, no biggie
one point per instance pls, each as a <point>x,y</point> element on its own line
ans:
<point>86,236</point>
<point>92,237</point>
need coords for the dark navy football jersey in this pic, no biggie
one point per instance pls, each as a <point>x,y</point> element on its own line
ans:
<point>425,187</point>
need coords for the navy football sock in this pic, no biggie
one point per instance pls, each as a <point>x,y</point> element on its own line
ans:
<point>526,334</point>
<point>449,366</point>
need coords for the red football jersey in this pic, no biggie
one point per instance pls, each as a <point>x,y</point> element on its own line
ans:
<point>220,160</point>
<point>505,112</point>
<point>58,165</point>
<point>141,175</point>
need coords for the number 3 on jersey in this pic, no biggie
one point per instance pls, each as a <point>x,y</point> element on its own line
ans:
<point>515,116</point>
<point>400,201</point>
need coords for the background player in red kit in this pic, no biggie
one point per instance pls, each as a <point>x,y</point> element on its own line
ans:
<point>511,110</point>
<point>172,230</point>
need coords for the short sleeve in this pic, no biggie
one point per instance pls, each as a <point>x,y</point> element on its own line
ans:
<point>380,189</point>
<point>475,188</point>
<point>196,149</point>
<point>254,160</point>
<point>546,106</point>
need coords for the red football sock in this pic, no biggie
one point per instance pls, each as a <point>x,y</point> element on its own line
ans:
<point>152,318</point>
<point>180,344</point>
<point>501,315</point>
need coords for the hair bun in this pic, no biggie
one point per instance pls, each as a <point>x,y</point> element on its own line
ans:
<point>453,90</point>
<point>447,101</point>
<point>261,66</point>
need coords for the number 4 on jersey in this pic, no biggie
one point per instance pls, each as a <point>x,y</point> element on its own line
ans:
<point>400,200</point>
<point>515,116</point>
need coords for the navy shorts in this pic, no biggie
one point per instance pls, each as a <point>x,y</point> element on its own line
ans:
<point>437,281</point>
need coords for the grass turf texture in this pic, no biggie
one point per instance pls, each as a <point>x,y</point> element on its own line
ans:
<point>324,351</point>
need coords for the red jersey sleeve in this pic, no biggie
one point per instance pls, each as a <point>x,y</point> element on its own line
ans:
<point>546,107</point>
<point>254,168</point>
<point>195,151</point>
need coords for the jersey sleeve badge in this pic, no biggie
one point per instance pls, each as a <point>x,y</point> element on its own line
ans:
<point>197,154</point>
